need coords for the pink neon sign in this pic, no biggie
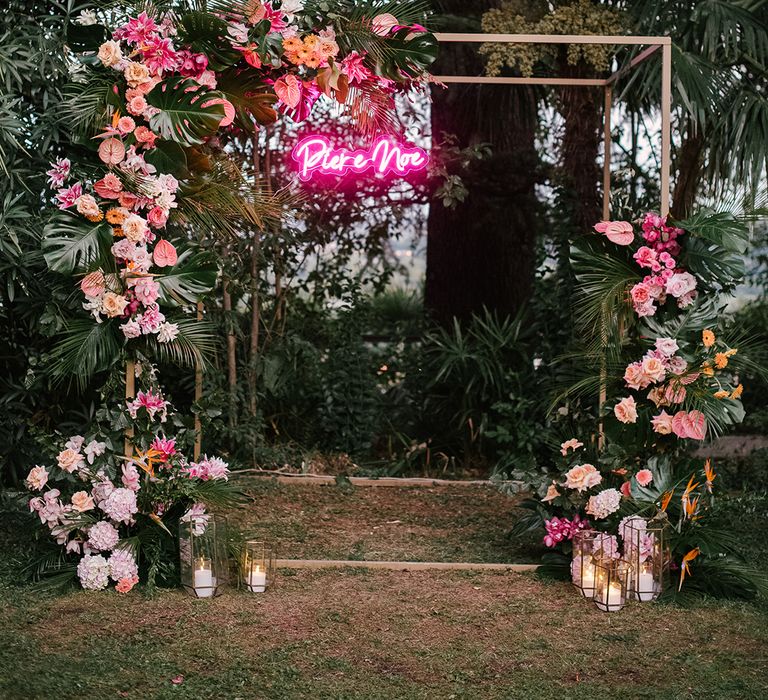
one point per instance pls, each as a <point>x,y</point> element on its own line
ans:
<point>315,155</point>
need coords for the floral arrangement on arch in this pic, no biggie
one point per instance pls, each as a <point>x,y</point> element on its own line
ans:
<point>156,96</point>
<point>648,298</point>
<point>113,514</point>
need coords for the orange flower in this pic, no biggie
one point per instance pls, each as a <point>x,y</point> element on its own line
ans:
<point>691,508</point>
<point>709,472</point>
<point>116,216</point>
<point>731,352</point>
<point>146,460</point>
<point>311,42</point>
<point>312,62</point>
<point>721,360</point>
<point>665,499</point>
<point>689,490</point>
<point>95,217</point>
<point>117,232</point>
<point>707,370</point>
<point>737,392</point>
<point>722,394</point>
<point>708,338</point>
<point>685,568</point>
<point>292,43</point>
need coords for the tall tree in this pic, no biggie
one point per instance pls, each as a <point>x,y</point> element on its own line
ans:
<point>482,252</point>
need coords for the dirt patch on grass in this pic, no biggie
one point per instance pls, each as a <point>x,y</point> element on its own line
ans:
<point>441,523</point>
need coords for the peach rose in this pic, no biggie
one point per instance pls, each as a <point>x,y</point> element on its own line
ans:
<point>69,460</point>
<point>654,369</point>
<point>572,444</point>
<point>136,73</point>
<point>37,478</point>
<point>137,106</point>
<point>657,396</point>
<point>626,410</point>
<point>82,502</point>
<point>135,228</point>
<point>86,205</point>
<point>662,423</point>
<point>110,53</point>
<point>552,493</point>
<point>113,304</point>
<point>582,477</point>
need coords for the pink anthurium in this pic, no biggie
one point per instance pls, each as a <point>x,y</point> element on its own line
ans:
<point>288,89</point>
<point>111,151</point>
<point>164,254</point>
<point>618,232</point>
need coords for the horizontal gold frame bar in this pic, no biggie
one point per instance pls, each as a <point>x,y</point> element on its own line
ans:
<point>555,39</point>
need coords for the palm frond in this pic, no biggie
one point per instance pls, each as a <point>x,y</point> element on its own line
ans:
<point>84,349</point>
<point>195,344</point>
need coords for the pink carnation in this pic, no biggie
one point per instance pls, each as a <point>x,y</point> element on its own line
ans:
<point>644,477</point>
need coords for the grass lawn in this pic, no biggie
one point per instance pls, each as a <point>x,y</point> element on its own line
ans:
<point>356,633</point>
<point>438,523</point>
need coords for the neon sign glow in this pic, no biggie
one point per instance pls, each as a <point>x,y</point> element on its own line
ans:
<point>315,155</point>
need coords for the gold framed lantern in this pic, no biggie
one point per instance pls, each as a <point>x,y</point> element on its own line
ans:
<point>257,566</point>
<point>203,554</point>
<point>644,548</point>
<point>611,584</point>
<point>583,562</point>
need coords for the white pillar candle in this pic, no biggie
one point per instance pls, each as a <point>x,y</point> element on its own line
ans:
<point>587,585</point>
<point>608,599</point>
<point>204,582</point>
<point>646,586</point>
<point>256,579</point>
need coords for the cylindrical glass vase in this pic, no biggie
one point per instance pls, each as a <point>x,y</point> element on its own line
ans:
<point>257,566</point>
<point>203,554</point>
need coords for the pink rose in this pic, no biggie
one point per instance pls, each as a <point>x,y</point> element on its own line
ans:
<point>618,232</point>
<point>626,410</point>
<point>634,377</point>
<point>37,478</point>
<point>646,257</point>
<point>640,294</point>
<point>644,477</point>
<point>157,217</point>
<point>69,460</point>
<point>680,284</point>
<point>82,502</point>
<point>653,369</point>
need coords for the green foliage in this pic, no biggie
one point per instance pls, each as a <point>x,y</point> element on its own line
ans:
<point>193,276</point>
<point>72,244</point>
<point>187,111</point>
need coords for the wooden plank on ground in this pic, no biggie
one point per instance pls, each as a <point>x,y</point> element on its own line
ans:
<point>327,479</point>
<point>401,565</point>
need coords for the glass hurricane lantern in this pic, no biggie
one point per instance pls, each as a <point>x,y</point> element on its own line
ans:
<point>257,565</point>
<point>583,563</point>
<point>203,554</point>
<point>644,548</point>
<point>611,584</point>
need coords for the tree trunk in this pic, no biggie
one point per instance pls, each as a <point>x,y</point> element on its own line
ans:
<point>231,354</point>
<point>482,253</point>
<point>689,169</point>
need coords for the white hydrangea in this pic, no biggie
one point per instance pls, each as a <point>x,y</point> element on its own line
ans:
<point>103,536</point>
<point>93,572</point>
<point>122,565</point>
<point>604,503</point>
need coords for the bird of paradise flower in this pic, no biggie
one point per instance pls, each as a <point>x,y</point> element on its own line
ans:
<point>685,568</point>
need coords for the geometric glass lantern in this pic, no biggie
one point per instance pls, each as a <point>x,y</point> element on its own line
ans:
<point>203,554</point>
<point>257,566</point>
<point>583,563</point>
<point>644,549</point>
<point>611,584</point>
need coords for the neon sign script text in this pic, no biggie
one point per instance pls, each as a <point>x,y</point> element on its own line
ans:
<point>316,156</point>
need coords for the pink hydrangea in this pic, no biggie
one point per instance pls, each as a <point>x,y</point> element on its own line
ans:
<point>122,564</point>
<point>103,536</point>
<point>120,505</point>
<point>604,503</point>
<point>605,546</point>
<point>93,572</point>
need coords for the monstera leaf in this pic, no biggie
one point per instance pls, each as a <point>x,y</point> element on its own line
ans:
<point>168,157</point>
<point>206,33</point>
<point>193,275</point>
<point>403,56</point>
<point>714,266</point>
<point>250,97</point>
<point>73,244</point>
<point>187,113</point>
<point>721,228</point>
